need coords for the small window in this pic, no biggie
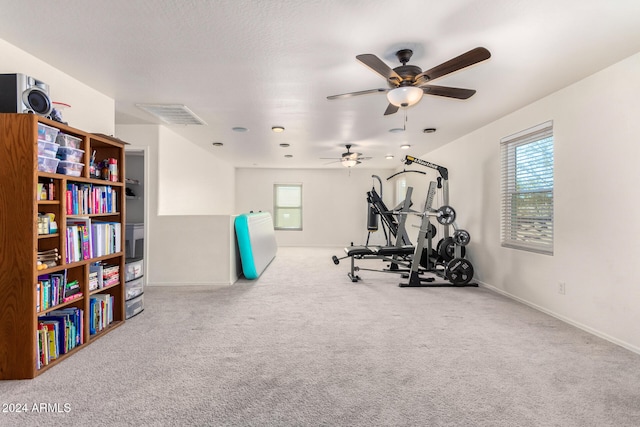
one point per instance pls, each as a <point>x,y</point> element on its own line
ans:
<point>527,189</point>
<point>287,206</point>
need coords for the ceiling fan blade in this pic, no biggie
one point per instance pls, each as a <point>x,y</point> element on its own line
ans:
<point>329,158</point>
<point>391,109</point>
<point>362,92</point>
<point>377,65</point>
<point>459,62</point>
<point>450,92</point>
<point>364,158</point>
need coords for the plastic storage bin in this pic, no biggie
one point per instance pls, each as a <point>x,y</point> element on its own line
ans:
<point>47,164</point>
<point>133,269</point>
<point>47,149</point>
<point>134,306</point>
<point>70,168</point>
<point>70,154</point>
<point>134,288</point>
<point>47,133</point>
<point>66,140</point>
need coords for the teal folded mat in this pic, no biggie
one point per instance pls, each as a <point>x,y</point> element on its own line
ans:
<point>256,242</point>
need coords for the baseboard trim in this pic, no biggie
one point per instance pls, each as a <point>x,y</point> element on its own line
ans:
<point>571,322</point>
<point>159,284</point>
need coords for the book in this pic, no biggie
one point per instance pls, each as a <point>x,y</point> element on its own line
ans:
<point>103,310</point>
<point>38,290</point>
<point>61,333</point>
<point>97,268</point>
<point>85,235</point>
<point>74,317</point>
<point>52,337</point>
<point>71,289</point>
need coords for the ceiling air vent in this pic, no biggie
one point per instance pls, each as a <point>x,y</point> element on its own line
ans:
<point>172,114</point>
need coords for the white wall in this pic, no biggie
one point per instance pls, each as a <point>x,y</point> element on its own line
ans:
<point>191,180</point>
<point>334,202</point>
<point>187,226</point>
<point>90,111</point>
<point>597,209</point>
<point>193,250</point>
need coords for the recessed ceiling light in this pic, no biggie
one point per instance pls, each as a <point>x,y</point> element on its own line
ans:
<point>405,146</point>
<point>284,145</point>
<point>277,129</point>
<point>396,130</point>
<point>429,130</point>
<point>217,144</point>
<point>288,156</point>
<point>389,156</point>
<point>239,129</point>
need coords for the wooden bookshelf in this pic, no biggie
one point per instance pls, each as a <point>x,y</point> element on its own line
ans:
<point>19,208</point>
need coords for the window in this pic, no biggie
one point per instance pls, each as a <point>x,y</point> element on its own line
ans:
<point>527,189</point>
<point>287,206</point>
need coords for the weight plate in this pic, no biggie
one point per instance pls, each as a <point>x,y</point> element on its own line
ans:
<point>446,215</point>
<point>461,237</point>
<point>431,232</point>
<point>447,249</point>
<point>459,271</point>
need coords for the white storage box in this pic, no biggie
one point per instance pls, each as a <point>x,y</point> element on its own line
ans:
<point>47,164</point>
<point>70,154</point>
<point>47,133</point>
<point>133,269</point>
<point>134,306</point>
<point>70,168</point>
<point>66,140</point>
<point>134,288</point>
<point>47,149</point>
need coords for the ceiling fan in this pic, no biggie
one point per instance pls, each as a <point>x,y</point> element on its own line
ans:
<point>407,83</point>
<point>348,159</point>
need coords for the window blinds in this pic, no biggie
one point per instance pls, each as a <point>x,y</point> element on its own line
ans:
<point>527,189</point>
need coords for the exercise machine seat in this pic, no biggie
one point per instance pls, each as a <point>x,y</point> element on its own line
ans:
<point>396,250</point>
<point>359,251</point>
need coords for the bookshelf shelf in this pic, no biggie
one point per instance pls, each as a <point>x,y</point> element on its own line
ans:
<point>61,358</point>
<point>25,307</point>
<point>59,306</point>
<point>48,236</point>
<point>105,331</point>
<point>101,290</point>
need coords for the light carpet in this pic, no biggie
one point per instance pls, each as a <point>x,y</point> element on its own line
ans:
<point>304,346</point>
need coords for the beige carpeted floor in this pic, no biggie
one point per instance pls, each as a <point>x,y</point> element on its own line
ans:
<point>303,346</point>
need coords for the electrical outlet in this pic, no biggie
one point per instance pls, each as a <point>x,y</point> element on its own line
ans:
<point>561,288</point>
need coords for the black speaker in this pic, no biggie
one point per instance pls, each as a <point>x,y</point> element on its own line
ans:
<point>20,93</point>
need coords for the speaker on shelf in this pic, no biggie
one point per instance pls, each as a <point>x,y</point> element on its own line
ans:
<point>20,93</point>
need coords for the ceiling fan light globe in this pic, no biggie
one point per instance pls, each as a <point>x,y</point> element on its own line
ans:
<point>405,96</point>
<point>347,162</point>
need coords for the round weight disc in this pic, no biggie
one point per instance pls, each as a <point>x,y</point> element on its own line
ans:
<point>461,237</point>
<point>447,249</point>
<point>431,232</point>
<point>459,271</point>
<point>446,215</point>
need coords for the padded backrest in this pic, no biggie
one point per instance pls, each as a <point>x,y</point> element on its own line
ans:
<point>256,242</point>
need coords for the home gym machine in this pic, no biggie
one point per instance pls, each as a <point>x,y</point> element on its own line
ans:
<point>451,251</point>
<point>446,264</point>
<point>391,226</point>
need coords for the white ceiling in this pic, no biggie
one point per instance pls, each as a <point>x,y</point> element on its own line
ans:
<point>260,63</point>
